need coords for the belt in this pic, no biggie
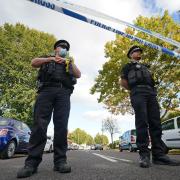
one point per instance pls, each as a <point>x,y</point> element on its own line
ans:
<point>143,86</point>
<point>146,86</point>
<point>52,84</point>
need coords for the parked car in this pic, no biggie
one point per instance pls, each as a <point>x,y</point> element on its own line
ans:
<point>171,133</point>
<point>87,147</point>
<point>14,137</point>
<point>92,147</point>
<point>96,147</point>
<point>70,147</point>
<point>81,147</point>
<point>128,141</point>
<point>73,146</point>
<point>49,144</point>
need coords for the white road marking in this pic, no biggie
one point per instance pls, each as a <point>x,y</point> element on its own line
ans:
<point>112,159</point>
<point>124,160</point>
<point>104,157</point>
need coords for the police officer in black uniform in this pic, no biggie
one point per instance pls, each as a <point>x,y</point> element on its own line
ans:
<point>137,78</point>
<point>57,76</point>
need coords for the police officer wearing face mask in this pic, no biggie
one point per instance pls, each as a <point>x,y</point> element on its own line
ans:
<point>137,78</point>
<point>57,76</point>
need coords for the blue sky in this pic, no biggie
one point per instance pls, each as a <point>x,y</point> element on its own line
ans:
<point>158,7</point>
<point>87,47</point>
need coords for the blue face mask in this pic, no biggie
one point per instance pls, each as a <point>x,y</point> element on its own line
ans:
<point>63,53</point>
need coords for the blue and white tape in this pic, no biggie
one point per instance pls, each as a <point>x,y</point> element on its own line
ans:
<point>97,14</point>
<point>80,17</point>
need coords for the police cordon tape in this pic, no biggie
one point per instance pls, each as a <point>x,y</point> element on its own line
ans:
<point>80,17</point>
<point>97,14</point>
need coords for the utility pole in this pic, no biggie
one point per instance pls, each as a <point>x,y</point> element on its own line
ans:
<point>102,129</point>
<point>78,137</point>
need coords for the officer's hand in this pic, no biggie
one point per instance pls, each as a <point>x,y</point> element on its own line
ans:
<point>59,60</point>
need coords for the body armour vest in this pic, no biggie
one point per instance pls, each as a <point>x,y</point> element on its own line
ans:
<point>139,74</point>
<point>54,73</point>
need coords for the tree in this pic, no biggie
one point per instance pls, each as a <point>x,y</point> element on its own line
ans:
<point>18,46</point>
<point>114,145</point>
<point>101,139</point>
<point>172,114</point>
<point>89,140</point>
<point>80,137</point>
<point>111,126</point>
<point>165,68</point>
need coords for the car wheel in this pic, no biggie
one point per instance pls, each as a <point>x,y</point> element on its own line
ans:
<point>130,148</point>
<point>9,150</point>
<point>120,149</point>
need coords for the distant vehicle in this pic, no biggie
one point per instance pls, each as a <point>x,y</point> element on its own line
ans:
<point>171,133</point>
<point>96,147</point>
<point>81,147</point>
<point>49,144</point>
<point>87,148</point>
<point>14,137</point>
<point>70,147</point>
<point>128,141</point>
<point>73,146</point>
<point>92,147</point>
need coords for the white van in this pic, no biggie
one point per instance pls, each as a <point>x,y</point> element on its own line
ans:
<point>171,133</point>
<point>49,144</point>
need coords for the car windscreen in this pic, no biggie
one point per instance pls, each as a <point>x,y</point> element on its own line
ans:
<point>4,122</point>
<point>133,132</point>
<point>178,122</point>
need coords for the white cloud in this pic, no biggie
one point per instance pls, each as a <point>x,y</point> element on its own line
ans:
<point>171,5</point>
<point>81,94</point>
<point>125,122</point>
<point>98,115</point>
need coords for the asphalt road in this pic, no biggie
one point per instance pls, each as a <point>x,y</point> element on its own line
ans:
<point>93,165</point>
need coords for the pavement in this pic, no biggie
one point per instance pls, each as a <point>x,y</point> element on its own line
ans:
<point>93,165</point>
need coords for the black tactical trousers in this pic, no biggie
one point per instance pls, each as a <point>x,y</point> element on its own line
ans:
<point>147,121</point>
<point>56,100</point>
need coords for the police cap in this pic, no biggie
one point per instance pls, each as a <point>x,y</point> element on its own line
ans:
<point>133,49</point>
<point>62,43</point>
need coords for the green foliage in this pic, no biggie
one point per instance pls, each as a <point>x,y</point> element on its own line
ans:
<point>89,139</point>
<point>172,114</point>
<point>165,68</point>
<point>114,145</point>
<point>81,137</point>
<point>18,46</point>
<point>101,139</point>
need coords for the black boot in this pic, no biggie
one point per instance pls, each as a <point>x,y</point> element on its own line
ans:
<point>26,171</point>
<point>144,162</point>
<point>63,168</point>
<point>165,160</point>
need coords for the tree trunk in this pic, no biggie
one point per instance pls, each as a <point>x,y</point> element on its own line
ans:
<point>112,138</point>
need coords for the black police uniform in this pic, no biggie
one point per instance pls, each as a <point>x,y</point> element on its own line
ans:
<point>147,113</point>
<point>56,86</point>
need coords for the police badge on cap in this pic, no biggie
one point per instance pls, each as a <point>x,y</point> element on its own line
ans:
<point>133,49</point>
<point>63,44</point>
